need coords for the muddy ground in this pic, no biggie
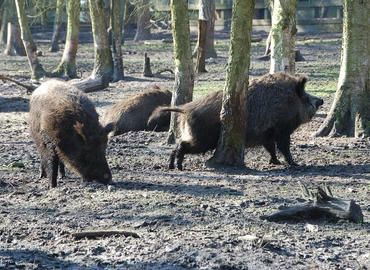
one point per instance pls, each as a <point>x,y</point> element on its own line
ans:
<point>198,218</point>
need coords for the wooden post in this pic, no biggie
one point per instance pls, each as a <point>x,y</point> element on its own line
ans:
<point>14,44</point>
<point>202,38</point>
<point>147,69</point>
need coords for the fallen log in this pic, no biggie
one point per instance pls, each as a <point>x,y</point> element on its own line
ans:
<point>96,234</point>
<point>320,204</point>
<point>92,85</point>
<point>87,86</point>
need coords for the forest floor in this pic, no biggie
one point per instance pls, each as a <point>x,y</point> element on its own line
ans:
<point>198,218</point>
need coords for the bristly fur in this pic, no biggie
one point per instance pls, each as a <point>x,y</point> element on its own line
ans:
<point>277,105</point>
<point>65,127</point>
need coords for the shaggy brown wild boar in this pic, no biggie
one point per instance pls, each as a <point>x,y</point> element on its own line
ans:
<point>66,130</point>
<point>132,113</point>
<point>277,105</point>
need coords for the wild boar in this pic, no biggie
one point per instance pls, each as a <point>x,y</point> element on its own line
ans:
<point>277,104</point>
<point>66,130</point>
<point>132,113</point>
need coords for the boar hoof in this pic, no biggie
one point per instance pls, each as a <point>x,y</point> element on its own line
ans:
<point>275,161</point>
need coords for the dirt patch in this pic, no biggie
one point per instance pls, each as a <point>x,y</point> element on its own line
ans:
<point>199,218</point>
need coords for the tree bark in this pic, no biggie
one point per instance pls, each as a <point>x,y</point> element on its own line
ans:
<point>184,72</point>
<point>350,112</point>
<point>116,41</point>
<point>283,35</point>
<point>143,21</point>
<point>103,61</point>
<point>58,21</point>
<point>202,50</point>
<point>207,11</point>
<point>67,65</point>
<point>14,44</point>
<point>231,145</point>
<point>37,71</point>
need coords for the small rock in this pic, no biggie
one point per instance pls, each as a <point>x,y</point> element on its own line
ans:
<point>250,238</point>
<point>312,228</point>
<point>16,165</point>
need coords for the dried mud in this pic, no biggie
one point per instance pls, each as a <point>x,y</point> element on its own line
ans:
<point>198,218</point>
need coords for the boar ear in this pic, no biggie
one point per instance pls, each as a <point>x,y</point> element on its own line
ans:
<point>110,127</point>
<point>79,129</point>
<point>302,80</point>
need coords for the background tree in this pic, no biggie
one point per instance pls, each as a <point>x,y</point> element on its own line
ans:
<point>103,61</point>
<point>283,35</point>
<point>184,72</point>
<point>68,64</point>
<point>143,20</point>
<point>58,21</point>
<point>207,11</point>
<point>37,71</point>
<point>350,111</point>
<point>231,145</point>
<point>116,40</point>
<point>9,14</point>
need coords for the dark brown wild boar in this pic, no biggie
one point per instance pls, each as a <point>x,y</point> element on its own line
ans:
<point>66,130</point>
<point>277,105</point>
<point>132,113</point>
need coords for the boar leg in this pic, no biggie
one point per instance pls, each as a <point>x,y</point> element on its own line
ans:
<point>53,167</point>
<point>179,153</point>
<point>43,167</point>
<point>171,166</point>
<point>183,148</point>
<point>270,147</point>
<point>62,170</point>
<point>283,144</point>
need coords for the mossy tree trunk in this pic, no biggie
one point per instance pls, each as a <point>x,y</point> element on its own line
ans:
<point>143,21</point>
<point>58,21</point>
<point>103,61</point>
<point>283,35</point>
<point>184,71</point>
<point>350,111</point>
<point>207,11</point>
<point>231,145</point>
<point>68,64</point>
<point>116,40</point>
<point>37,71</point>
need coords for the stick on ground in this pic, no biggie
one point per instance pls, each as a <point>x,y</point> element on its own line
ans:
<point>96,234</point>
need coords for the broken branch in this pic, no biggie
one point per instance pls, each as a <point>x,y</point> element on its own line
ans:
<point>96,234</point>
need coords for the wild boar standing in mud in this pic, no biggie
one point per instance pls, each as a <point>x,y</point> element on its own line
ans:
<point>277,105</point>
<point>132,113</point>
<point>65,127</point>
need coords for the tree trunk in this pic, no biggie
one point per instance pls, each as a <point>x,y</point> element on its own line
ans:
<point>103,62</point>
<point>68,64</point>
<point>231,145</point>
<point>9,15</point>
<point>202,50</point>
<point>207,11</point>
<point>184,72</point>
<point>58,21</point>
<point>283,35</point>
<point>122,18</point>
<point>14,44</point>
<point>37,71</point>
<point>350,112</point>
<point>116,41</point>
<point>143,21</point>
